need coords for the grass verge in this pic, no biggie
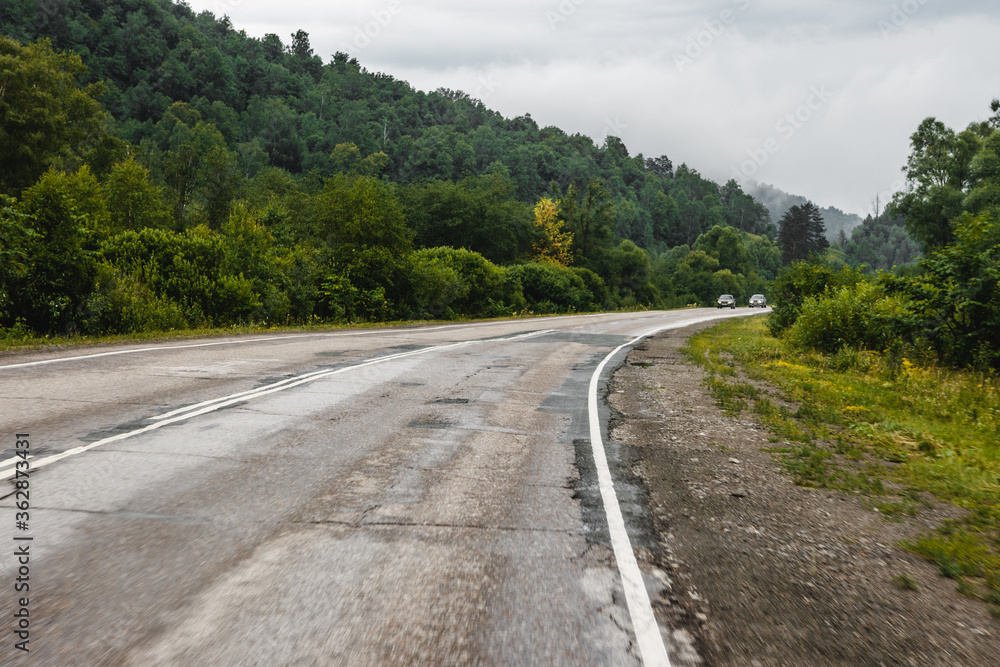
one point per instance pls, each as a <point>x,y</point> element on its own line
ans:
<point>878,426</point>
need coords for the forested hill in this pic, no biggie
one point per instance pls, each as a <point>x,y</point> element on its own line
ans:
<point>278,104</point>
<point>161,169</point>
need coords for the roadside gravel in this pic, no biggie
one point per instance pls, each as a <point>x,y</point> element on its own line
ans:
<point>759,571</point>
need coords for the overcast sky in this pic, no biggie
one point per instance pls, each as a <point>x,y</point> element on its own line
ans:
<point>816,97</point>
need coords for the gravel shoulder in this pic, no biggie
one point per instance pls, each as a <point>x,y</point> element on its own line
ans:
<point>759,571</point>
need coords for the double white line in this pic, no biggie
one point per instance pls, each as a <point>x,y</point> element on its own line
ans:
<point>7,467</point>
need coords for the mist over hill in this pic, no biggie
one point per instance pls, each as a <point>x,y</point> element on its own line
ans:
<point>778,201</point>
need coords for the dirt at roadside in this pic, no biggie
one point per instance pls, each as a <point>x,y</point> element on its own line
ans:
<point>763,572</point>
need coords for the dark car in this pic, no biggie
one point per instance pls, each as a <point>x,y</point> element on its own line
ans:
<point>726,301</point>
<point>758,301</point>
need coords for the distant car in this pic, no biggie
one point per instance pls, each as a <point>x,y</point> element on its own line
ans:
<point>758,301</point>
<point>727,301</point>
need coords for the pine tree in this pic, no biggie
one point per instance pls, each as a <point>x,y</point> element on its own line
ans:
<point>802,233</point>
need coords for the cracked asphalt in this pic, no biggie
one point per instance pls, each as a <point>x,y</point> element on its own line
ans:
<point>431,509</point>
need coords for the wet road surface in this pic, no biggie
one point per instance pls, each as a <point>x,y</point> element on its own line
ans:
<point>393,496</point>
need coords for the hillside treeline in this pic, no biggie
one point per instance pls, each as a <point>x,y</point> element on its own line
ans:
<point>945,309</point>
<point>161,169</point>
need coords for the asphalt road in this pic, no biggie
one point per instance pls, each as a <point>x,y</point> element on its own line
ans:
<point>394,496</point>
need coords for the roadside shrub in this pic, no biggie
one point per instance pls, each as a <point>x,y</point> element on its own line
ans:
<point>370,284</point>
<point>550,288</point>
<point>798,282</point>
<point>603,297</point>
<point>487,289</point>
<point>187,269</point>
<point>955,300</point>
<point>437,286</point>
<point>17,333</point>
<point>861,316</point>
<point>122,304</point>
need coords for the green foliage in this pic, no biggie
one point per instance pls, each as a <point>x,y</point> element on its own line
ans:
<point>363,212</point>
<point>860,316</point>
<point>15,232</point>
<point>46,118</point>
<point>371,284</point>
<point>479,214</point>
<point>197,167</point>
<point>122,304</point>
<point>955,302</point>
<point>58,266</point>
<point>726,244</point>
<point>929,213</point>
<point>628,272</point>
<point>801,233</point>
<point>550,288</point>
<point>133,200</point>
<point>588,217</point>
<point>765,257</point>
<point>880,244</point>
<point>436,286</point>
<point>798,282</point>
<point>940,172</point>
<point>984,189</point>
<point>189,269</point>
<point>488,290</point>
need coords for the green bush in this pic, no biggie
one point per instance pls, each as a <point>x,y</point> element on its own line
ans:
<point>48,264</point>
<point>550,288</point>
<point>122,304</point>
<point>437,287</point>
<point>368,284</point>
<point>861,316</point>
<point>487,292</point>
<point>955,301</point>
<point>603,297</point>
<point>798,282</point>
<point>187,269</point>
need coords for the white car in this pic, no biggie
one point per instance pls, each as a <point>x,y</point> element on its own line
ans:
<point>758,301</point>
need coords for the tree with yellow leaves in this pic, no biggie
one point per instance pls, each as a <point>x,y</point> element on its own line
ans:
<point>555,245</point>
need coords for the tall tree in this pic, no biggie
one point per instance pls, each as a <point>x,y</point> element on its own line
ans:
<point>661,166</point>
<point>555,245</point>
<point>46,117</point>
<point>801,233</point>
<point>590,221</point>
<point>938,173</point>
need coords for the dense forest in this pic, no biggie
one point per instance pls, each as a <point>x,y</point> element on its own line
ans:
<point>879,244</point>
<point>160,169</point>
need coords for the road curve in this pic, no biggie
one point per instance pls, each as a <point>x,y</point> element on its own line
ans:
<point>415,495</point>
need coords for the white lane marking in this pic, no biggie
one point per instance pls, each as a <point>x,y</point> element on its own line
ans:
<point>252,393</point>
<point>13,460</point>
<point>218,404</point>
<point>647,632</point>
<point>146,349</point>
<point>387,331</point>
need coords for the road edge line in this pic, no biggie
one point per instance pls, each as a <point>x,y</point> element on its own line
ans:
<point>647,631</point>
<point>652,650</point>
